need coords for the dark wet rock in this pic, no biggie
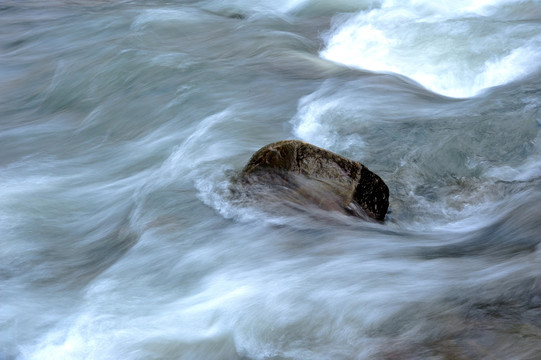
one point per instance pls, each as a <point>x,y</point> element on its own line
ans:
<point>318,176</point>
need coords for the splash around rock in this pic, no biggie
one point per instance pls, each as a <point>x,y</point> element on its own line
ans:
<point>307,174</point>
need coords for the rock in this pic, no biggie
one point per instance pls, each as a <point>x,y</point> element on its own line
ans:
<point>319,176</point>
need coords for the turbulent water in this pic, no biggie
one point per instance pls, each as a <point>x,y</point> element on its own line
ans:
<point>123,123</point>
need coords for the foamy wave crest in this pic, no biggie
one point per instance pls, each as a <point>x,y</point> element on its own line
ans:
<point>452,49</point>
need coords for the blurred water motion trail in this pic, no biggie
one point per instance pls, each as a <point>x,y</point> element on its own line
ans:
<point>121,125</point>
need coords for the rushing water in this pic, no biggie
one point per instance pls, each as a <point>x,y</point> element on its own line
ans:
<point>122,124</point>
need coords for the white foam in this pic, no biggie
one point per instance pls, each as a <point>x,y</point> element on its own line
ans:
<point>317,122</point>
<point>517,64</point>
<point>451,49</point>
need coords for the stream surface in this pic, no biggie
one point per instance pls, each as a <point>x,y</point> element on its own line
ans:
<point>122,124</point>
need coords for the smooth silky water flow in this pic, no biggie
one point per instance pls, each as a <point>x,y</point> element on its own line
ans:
<point>123,123</point>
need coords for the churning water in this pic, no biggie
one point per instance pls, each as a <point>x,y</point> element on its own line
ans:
<point>122,123</point>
